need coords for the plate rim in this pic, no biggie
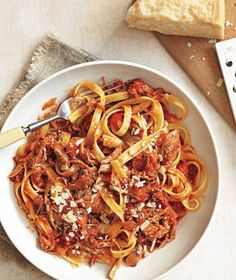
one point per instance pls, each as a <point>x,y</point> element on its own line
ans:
<point>186,95</point>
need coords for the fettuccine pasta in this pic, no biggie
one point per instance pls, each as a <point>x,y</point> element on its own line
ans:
<point>110,184</point>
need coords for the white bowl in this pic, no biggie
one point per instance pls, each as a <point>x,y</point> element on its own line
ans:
<point>189,231</point>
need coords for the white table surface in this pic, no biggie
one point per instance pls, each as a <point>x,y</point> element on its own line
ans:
<point>99,27</point>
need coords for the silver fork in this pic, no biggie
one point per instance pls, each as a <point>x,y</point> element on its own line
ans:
<point>18,133</point>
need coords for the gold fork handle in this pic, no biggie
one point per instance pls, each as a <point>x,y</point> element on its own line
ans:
<point>11,136</point>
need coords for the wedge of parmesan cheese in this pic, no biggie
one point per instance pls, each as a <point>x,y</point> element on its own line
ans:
<point>198,18</point>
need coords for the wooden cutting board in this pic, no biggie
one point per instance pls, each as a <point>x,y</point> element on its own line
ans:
<point>200,62</point>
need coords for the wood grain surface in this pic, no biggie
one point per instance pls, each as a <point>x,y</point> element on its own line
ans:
<point>200,62</point>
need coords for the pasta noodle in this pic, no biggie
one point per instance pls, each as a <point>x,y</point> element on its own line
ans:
<point>111,183</point>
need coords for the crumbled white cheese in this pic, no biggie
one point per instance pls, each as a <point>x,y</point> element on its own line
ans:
<point>140,184</point>
<point>136,131</point>
<point>144,225</point>
<point>58,200</point>
<point>135,215</point>
<point>208,93</point>
<point>89,210</point>
<point>65,195</point>
<point>81,237</point>
<point>71,234</point>
<point>220,83</point>
<point>141,206</point>
<point>192,56</point>
<point>73,204</point>
<point>159,206</point>
<point>203,58</point>
<point>67,238</point>
<point>189,44</point>
<point>60,208</point>
<point>79,141</point>
<point>69,217</point>
<point>74,227</point>
<point>135,177</point>
<point>151,204</point>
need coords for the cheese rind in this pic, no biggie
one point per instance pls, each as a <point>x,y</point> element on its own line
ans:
<point>199,18</point>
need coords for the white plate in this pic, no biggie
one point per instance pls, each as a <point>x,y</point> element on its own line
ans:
<point>189,231</point>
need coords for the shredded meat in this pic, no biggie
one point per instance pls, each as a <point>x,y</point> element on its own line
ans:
<point>138,87</point>
<point>171,147</point>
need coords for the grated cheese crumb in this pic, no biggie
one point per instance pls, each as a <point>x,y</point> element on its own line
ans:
<point>203,58</point>
<point>65,195</point>
<point>189,44</point>
<point>72,204</point>
<point>208,93</point>
<point>144,225</point>
<point>89,210</point>
<point>136,132</point>
<point>141,206</point>
<point>192,56</point>
<point>79,141</point>
<point>220,83</point>
<point>71,234</point>
<point>151,204</point>
<point>60,208</point>
<point>140,184</point>
<point>74,227</point>
<point>69,217</point>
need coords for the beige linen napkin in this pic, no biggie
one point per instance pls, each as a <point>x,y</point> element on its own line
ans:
<point>51,56</point>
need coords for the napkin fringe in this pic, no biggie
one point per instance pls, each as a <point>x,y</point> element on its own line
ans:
<point>49,57</point>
